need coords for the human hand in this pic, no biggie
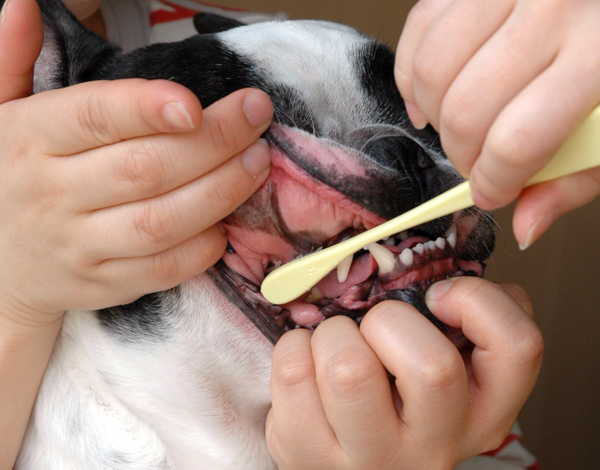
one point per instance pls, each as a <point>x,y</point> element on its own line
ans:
<point>334,408</point>
<point>111,190</point>
<point>505,83</point>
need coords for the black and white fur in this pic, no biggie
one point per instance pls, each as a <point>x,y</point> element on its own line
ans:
<point>180,379</point>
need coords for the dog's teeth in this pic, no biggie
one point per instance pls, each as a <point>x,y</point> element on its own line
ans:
<point>389,241</point>
<point>451,230</point>
<point>406,257</point>
<point>431,245</point>
<point>440,243</point>
<point>403,235</point>
<point>315,294</point>
<point>343,269</point>
<point>384,239</point>
<point>419,248</point>
<point>383,256</point>
<point>452,240</point>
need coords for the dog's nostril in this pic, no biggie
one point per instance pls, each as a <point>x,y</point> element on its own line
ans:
<point>424,161</point>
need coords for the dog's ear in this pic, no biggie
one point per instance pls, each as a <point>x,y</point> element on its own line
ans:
<point>71,53</point>
<point>207,23</point>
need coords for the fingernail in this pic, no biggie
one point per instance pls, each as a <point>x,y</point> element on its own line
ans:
<point>258,108</point>
<point>3,13</point>
<point>542,224</point>
<point>177,116</point>
<point>222,228</point>
<point>257,157</point>
<point>416,116</point>
<point>437,290</point>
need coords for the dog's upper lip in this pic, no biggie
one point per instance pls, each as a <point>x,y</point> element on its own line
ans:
<point>320,214</point>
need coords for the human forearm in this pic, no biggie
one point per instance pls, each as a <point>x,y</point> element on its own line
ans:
<point>25,349</point>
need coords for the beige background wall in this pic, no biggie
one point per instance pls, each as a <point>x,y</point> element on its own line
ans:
<point>561,272</point>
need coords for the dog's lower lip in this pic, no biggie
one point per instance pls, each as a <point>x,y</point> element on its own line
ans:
<point>404,278</point>
<point>356,298</point>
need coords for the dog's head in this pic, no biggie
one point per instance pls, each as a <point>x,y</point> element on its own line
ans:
<point>345,158</point>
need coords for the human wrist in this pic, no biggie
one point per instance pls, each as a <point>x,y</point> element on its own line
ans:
<point>23,320</point>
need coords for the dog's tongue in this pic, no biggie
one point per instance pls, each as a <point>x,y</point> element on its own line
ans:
<point>362,268</point>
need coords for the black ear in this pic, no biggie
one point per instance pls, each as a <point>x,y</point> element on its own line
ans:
<point>71,54</point>
<point>207,23</point>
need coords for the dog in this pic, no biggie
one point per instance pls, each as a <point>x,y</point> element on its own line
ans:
<point>180,379</point>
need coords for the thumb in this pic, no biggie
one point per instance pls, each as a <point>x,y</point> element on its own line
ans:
<point>21,39</point>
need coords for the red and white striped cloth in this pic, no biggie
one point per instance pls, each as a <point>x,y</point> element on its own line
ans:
<point>171,20</point>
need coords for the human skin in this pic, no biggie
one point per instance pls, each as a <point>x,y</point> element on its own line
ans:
<point>28,338</point>
<point>505,83</point>
<point>334,408</point>
<point>106,202</point>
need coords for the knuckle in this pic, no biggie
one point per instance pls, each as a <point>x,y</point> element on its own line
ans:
<point>94,119</point>
<point>420,16</point>
<point>457,118</point>
<point>513,146</point>
<point>224,193</point>
<point>530,347</point>
<point>221,133</point>
<point>143,167</point>
<point>426,67</point>
<point>348,373</point>
<point>150,225</point>
<point>165,267</point>
<point>441,371</point>
<point>294,371</point>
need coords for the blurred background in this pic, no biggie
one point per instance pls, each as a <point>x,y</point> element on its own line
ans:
<point>561,272</point>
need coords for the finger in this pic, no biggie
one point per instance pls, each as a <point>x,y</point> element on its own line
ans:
<point>420,18</point>
<point>145,167</point>
<point>443,53</point>
<point>127,279</point>
<point>21,38</point>
<point>430,373</point>
<point>531,128</point>
<point>154,225</point>
<point>494,74</point>
<point>508,350</point>
<point>297,428</point>
<point>519,295</point>
<point>355,390</point>
<point>539,206</point>
<point>104,112</point>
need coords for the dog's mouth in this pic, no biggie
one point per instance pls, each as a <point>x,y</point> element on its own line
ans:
<point>294,214</point>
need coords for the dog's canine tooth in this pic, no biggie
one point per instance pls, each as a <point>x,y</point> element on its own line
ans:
<point>440,243</point>
<point>383,256</point>
<point>406,257</point>
<point>451,230</point>
<point>343,269</point>
<point>452,240</point>
<point>419,248</point>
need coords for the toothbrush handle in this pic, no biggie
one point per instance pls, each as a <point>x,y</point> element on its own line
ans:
<point>580,152</point>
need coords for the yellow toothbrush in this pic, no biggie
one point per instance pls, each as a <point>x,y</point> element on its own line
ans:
<point>580,152</point>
